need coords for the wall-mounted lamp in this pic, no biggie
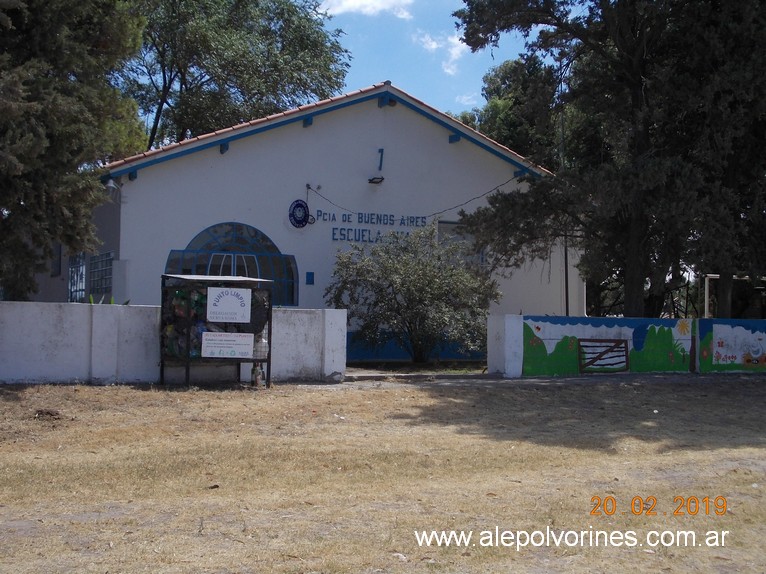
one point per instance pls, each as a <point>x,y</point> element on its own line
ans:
<point>113,189</point>
<point>377,180</point>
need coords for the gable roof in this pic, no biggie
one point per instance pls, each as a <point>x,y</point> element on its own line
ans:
<point>386,94</point>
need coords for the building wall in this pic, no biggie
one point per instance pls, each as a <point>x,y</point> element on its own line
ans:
<point>53,285</point>
<point>259,177</point>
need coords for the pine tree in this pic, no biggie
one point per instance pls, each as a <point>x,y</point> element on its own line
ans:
<point>662,120</point>
<point>58,114</point>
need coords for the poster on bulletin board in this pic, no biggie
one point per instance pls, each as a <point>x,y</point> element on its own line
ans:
<point>228,345</point>
<point>228,305</point>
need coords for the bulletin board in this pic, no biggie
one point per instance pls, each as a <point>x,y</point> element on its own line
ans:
<point>216,320</point>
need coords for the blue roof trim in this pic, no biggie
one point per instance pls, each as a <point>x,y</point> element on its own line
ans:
<point>483,145</point>
<point>387,97</point>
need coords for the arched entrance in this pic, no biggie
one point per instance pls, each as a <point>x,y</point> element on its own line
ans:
<point>239,250</point>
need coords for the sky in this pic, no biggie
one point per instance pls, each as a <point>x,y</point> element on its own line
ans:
<point>415,45</point>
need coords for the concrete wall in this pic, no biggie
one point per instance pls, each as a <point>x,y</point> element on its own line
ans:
<point>64,342</point>
<point>552,346</point>
<point>504,353</point>
<point>309,344</point>
<point>70,341</point>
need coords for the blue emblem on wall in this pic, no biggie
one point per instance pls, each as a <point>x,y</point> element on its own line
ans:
<point>299,214</point>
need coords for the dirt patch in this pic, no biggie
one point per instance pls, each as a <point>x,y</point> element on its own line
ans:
<point>339,478</point>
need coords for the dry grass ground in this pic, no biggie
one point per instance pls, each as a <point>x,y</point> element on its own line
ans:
<point>337,478</point>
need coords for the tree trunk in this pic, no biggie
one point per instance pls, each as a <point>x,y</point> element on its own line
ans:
<point>158,115</point>
<point>155,126</point>
<point>638,225</point>
<point>724,295</point>
<point>420,354</point>
<point>654,304</point>
<point>635,276</point>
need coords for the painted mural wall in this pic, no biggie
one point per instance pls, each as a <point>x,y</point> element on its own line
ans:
<point>576,345</point>
<point>560,346</point>
<point>733,345</point>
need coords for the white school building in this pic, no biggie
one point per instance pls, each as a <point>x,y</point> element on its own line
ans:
<point>278,197</point>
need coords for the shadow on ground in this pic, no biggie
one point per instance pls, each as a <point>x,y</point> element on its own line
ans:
<point>687,411</point>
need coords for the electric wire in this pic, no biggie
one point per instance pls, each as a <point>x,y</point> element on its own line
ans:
<point>331,202</point>
<point>434,214</point>
<point>494,189</point>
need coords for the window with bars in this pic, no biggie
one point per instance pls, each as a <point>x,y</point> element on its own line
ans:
<point>76,284</point>
<point>100,274</point>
